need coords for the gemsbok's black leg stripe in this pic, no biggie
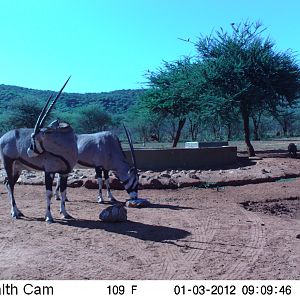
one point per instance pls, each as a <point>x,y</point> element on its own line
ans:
<point>49,180</point>
<point>98,171</point>
<point>63,183</point>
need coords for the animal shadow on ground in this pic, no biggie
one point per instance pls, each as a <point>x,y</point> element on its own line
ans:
<point>145,232</point>
<point>152,205</point>
<point>169,206</point>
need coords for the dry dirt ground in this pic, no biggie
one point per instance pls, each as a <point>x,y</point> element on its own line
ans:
<point>249,231</point>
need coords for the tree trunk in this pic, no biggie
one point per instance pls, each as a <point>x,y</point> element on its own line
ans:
<point>256,123</point>
<point>178,132</point>
<point>255,129</point>
<point>229,132</point>
<point>285,128</point>
<point>250,148</point>
<point>214,131</point>
<point>193,131</point>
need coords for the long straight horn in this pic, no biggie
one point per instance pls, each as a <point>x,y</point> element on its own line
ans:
<point>53,102</point>
<point>131,147</point>
<point>37,124</point>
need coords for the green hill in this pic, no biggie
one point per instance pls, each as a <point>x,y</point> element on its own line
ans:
<point>114,102</point>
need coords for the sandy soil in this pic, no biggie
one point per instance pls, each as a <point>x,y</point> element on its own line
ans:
<point>251,231</point>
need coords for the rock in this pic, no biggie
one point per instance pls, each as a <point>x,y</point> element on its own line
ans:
<point>194,176</point>
<point>175,176</point>
<point>148,172</point>
<point>157,183</point>
<point>150,183</point>
<point>31,176</point>
<point>116,184</point>
<point>165,175</point>
<point>114,213</point>
<point>183,172</point>
<point>75,183</point>
<point>187,182</point>
<point>91,184</point>
<point>138,203</point>
<point>168,183</point>
<point>193,171</point>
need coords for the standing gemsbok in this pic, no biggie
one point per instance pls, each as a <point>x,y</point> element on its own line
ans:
<point>102,151</point>
<point>52,149</point>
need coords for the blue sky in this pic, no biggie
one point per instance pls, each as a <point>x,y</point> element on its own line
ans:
<point>109,44</point>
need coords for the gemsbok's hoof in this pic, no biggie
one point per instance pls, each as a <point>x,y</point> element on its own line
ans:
<point>68,217</point>
<point>100,200</point>
<point>16,214</point>
<point>49,220</point>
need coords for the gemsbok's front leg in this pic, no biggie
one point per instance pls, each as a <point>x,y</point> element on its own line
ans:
<point>108,191</point>
<point>49,177</point>
<point>63,178</point>
<point>98,171</point>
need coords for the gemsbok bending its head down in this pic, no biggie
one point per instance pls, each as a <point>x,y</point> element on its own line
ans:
<point>52,149</point>
<point>102,151</point>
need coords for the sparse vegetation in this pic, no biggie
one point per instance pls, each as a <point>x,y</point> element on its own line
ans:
<point>238,86</point>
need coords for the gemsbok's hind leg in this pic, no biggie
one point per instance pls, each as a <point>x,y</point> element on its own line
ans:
<point>63,192</point>
<point>58,190</point>
<point>108,191</point>
<point>10,181</point>
<point>48,183</point>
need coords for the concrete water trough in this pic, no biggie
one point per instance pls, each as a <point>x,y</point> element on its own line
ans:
<point>184,158</point>
<point>204,144</point>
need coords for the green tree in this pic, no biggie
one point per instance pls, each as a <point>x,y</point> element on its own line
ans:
<point>23,113</point>
<point>173,91</point>
<point>89,119</point>
<point>144,122</point>
<point>286,118</point>
<point>245,70</point>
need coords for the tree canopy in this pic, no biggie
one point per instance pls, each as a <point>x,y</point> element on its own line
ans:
<point>236,82</point>
<point>246,71</point>
<point>174,90</point>
<point>89,119</point>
